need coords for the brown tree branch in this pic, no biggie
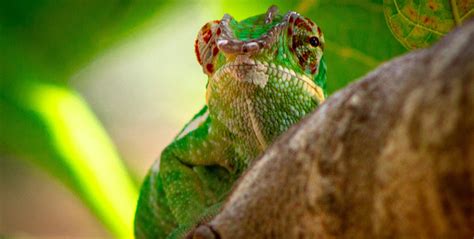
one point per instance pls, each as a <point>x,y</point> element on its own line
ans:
<point>390,156</point>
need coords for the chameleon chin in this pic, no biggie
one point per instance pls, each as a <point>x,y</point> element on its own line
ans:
<point>265,73</point>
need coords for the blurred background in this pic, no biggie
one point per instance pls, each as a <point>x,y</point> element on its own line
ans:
<point>92,91</point>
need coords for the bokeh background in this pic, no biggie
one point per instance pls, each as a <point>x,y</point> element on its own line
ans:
<point>92,91</point>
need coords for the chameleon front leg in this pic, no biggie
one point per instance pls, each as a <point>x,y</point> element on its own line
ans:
<point>184,190</point>
<point>194,176</point>
<point>171,199</point>
<point>153,218</point>
<point>193,169</point>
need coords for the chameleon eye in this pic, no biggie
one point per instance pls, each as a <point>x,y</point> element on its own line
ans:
<point>314,41</point>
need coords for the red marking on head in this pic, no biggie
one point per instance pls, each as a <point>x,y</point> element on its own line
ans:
<point>215,50</point>
<point>207,35</point>
<point>309,21</point>
<point>305,55</point>
<point>313,67</point>
<point>298,21</point>
<point>210,68</point>
<point>216,21</point>
<point>319,31</point>
<point>307,26</point>
<point>301,23</point>
<point>301,61</point>
<point>291,19</point>
<point>292,49</point>
<point>218,31</point>
<point>196,50</point>
<point>205,27</point>
<point>294,43</point>
<point>290,31</point>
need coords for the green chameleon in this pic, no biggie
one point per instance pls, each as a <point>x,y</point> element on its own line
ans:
<point>265,73</point>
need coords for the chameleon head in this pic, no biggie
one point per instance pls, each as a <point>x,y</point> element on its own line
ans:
<point>289,45</point>
<point>261,62</point>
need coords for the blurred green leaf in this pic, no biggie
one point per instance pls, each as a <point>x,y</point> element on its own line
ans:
<point>417,24</point>
<point>56,38</point>
<point>43,43</point>
<point>52,126</point>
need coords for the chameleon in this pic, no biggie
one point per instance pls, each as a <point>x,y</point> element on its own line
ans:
<point>265,73</point>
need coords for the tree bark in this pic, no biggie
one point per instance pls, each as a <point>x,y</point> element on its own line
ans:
<point>390,156</point>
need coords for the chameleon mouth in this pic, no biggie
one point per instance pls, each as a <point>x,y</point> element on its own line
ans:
<point>258,72</point>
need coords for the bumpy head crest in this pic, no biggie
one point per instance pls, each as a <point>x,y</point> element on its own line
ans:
<point>228,43</point>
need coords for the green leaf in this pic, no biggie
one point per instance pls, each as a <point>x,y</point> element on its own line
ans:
<point>417,24</point>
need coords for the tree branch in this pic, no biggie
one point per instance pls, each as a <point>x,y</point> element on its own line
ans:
<point>390,156</point>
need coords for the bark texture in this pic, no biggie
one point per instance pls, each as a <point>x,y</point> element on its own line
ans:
<point>390,156</point>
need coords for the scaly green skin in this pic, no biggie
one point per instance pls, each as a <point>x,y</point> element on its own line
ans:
<point>265,73</point>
